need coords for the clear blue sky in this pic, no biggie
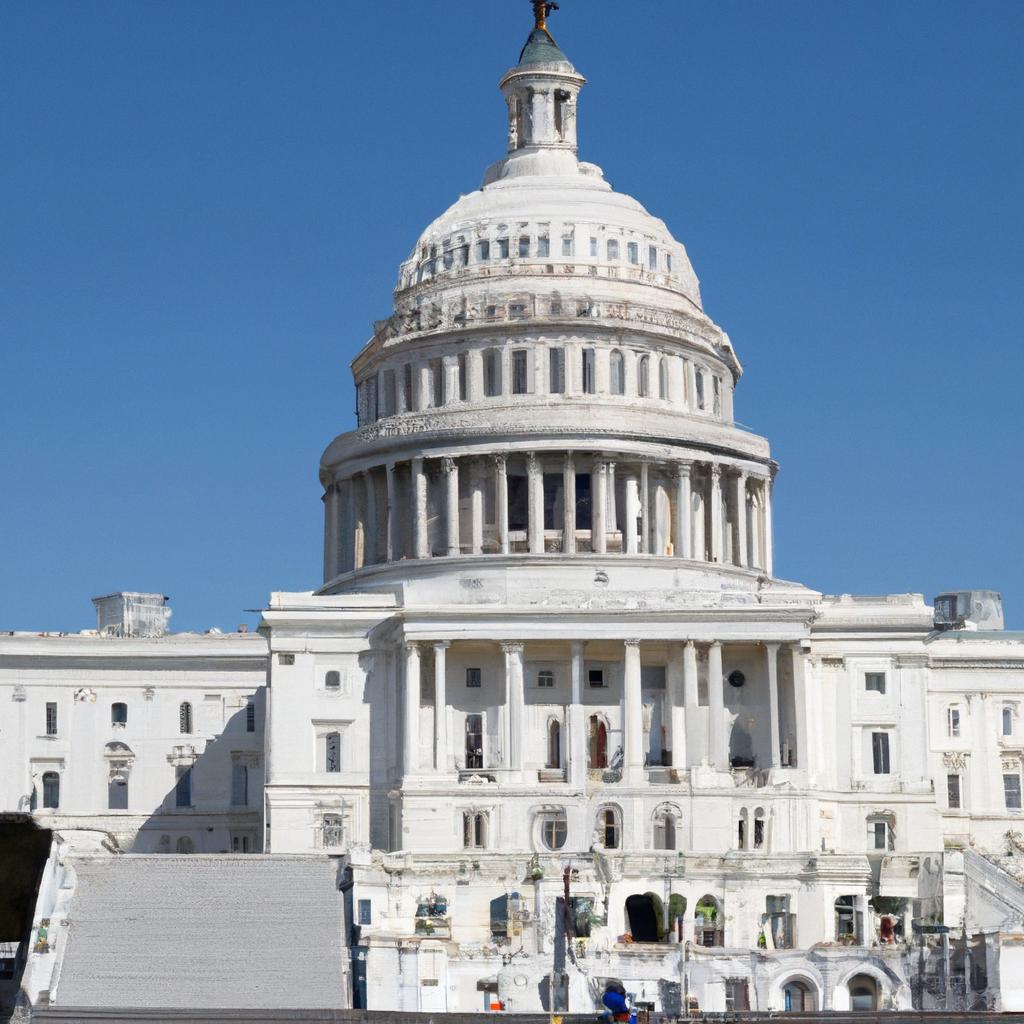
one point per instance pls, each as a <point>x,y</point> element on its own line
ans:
<point>203,207</point>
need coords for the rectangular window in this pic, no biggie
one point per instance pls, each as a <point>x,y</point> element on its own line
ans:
<point>502,248</point>
<point>473,678</point>
<point>568,249</point>
<point>524,245</point>
<point>239,785</point>
<point>520,375</point>
<point>595,677</point>
<point>517,310</point>
<point>953,721</point>
<point>556,371</point>
<point>1007,721</point>
<point>483,250</point>
<point>593,248</point>
<point>652,257</point>
<point>736,995</point>
<point>874,681</point>
<point>332,752</point>
<point>953,792</point>
<point>613,248</point>
<point>437,382</point>
<point>880,836</point>
<point>543,246</point>
<point>365,912</point>
<point>880,752</point>
<point>250,717</point>
<point>407,384</point>
<point>668,262</point>
<point>389,403</point>
<point>492,373</point>
<point>183,787</point>
<point>1011,791</point>
<point>633,252</point>
<point>589,364</point>
<point>51,718</point>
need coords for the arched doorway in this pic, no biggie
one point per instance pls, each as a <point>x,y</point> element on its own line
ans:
<point>646,916</point>
<point>598,742</point>
<point>863,991</point>
<point>798,997</point>
<point>554,744</point>
<point>708,922</point>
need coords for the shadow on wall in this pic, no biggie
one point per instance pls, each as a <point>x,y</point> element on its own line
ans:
<point>216,802</point>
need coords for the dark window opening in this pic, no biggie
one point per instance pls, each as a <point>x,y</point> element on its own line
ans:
<point>474,741</point>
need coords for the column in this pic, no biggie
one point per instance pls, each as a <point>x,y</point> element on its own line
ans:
<point>419,478</point>
<point>569,505</point>
<point>645,509</point>
<point>801,707</point>
<point>599,508</point>
<point>403,402</point>
<point>451,515</point>
<point>330,532</point>
<point>394,544</point>
<point>755,528</point>
<point>515,700</point>
<point>716,712</point>
<point>611,522</point>
<point>440,707</point>
<point>772,654</point>
<point>691,385</point>
<point>675,679</point>
<point>715,482</point>
<point>352,527</point>
<point>577,724</point>
<point>411,744</point>
<point>740,484</point>
<point>633,716</point>
<point>632,514</point>
<point>501,501</point>
<point>682,523</point>
<point>534,504</point>
<point>370,527</point>
<point>476,506</point>
<point>768,527</point>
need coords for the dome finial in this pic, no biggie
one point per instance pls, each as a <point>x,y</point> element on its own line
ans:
<point>541,10</point>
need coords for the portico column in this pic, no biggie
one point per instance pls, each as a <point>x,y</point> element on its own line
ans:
<point>676,711</point>
<point>331,520</point>
<point>411,744</point>
<point>772,654</point>
<point>577,721</point>
<point>611,522</point>
<point>598,508</point>
<point>351,526</point>
<point>370,544</point>
<point>691,385</point>
<point>569,505</point>
<point>741,518</point>
<point>756,561</point>
<point>515,700</point>
<point>716,708</point>
<point>419,478</point>
<point>393,542</point>
<point>501,501</point>
<point>440,706</point>
<point>633,724</point>
<point>803,750</point>
<point>535,504</point>
<point>682,524</point>
<point>451,476</point>
<point>632,514</point>
<point>476,506</point>
<point>645,509</point>
<point>715,483</point>
<point>768,527</point>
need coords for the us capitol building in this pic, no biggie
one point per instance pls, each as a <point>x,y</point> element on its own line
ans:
<point>551,719</point>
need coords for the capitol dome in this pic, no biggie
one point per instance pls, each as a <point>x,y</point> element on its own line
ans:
<point>548,384</point>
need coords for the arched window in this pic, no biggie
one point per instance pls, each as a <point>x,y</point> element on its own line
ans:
<point>863,992</point>
<point>701,398</point>
<point>613,248</point>
<point>798,997</point>
<point>185,845</point>
<point>708,922</point>
<point>742,827</point>
<point>332,681</point>
<point>51,790</point>
<point>332,752</point>
<point>609,827</point>
<point>185,718</point>
<point>554,744</point>
<point>474,830</point>
<point>616,373</point>
<point>119,714</point>
<point>663,378</point>
<point>643,376</point>
<point>553,829</point>
<point>666,823</point>
<point>1007,721</point>
<point>117,793</point>
<point>759,828</point>
<point>598,742</point>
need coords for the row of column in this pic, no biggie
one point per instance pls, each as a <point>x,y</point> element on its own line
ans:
<point>659,514</point>
<point>683,696</point>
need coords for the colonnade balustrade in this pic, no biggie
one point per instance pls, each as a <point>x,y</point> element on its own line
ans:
<point>548,502</point>
<point>576,749</point>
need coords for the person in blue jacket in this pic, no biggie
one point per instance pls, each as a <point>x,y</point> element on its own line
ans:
<point>616,1003</point>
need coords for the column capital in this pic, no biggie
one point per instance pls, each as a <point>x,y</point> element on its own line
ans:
<point>411,647</point>
<point>715,469</point>
<point>687,643</point>
<point>770,645</point>
<point>500,460</point>
<point>683,470</point>
<point>442,645</point>
<point>448,464</point>
<point>512,646</point>
<point>532,462</point>
<point>576,647</point>
<point>715,643</point>
<point>631,642</point>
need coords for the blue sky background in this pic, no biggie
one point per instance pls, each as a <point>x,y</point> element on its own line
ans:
<point>203,207</point>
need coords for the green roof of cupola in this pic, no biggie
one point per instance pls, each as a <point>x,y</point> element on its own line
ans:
<point>541,47</point>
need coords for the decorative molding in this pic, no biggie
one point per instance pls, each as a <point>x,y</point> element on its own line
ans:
<point>956,760</point>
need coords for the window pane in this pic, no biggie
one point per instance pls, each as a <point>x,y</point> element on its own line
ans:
<point>543,246</point>
<point>365,912</point>
<point>524,245</point>
<point>567,247</point>
<point>1011,790</point>
<point>874,681</point>
<point>556,371</point>
<point>953,791</point>
<point>880,752</point>
<point>183,788</point>
<point>332,752</point>
<point>519,372</point>
<point>250,717</point>
<point>51,719</point>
